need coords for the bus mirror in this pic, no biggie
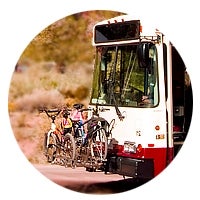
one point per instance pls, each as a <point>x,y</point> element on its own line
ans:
<point>143,55</point>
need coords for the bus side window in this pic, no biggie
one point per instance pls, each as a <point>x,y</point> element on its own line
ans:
<point>165,68</point>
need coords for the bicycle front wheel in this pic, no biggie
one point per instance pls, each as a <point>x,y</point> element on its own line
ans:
<point>50,146</point>
<point>70,150</point>
<point>99,146</point>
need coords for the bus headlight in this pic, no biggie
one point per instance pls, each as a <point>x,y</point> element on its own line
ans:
<point>129,147</point>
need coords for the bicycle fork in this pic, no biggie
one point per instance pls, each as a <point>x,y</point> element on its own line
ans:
<point>53,128</point>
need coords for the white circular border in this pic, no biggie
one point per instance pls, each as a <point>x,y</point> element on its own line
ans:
<point>21,20</point>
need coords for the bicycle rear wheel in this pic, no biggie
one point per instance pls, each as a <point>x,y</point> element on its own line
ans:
<point>70,150</point>
<point>50,146</point>
<point>98,147</point>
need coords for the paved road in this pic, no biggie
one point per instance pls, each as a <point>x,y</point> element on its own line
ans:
<point>80,180</point>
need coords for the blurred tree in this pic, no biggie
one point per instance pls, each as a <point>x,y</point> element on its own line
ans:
<point>67,40</point>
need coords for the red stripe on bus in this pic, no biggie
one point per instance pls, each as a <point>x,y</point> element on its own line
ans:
<point>161,156</point>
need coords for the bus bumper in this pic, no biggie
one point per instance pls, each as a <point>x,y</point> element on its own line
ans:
<point>136,168</point>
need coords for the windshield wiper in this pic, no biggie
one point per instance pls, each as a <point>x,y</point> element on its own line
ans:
<point>119,114</point>
<point>111,82</point>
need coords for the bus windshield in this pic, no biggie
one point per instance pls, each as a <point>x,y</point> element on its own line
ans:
<point>119,79</point>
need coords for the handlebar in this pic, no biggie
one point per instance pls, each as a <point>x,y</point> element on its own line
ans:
<point>103,109</point>
<point>51,113</point>
<point>54,112</point>
<point>95,110</point>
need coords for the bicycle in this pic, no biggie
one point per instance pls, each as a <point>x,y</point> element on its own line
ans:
<point>91,149</point>
<point>58,148</point>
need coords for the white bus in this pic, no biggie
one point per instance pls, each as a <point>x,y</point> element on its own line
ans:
<point>141,81</point>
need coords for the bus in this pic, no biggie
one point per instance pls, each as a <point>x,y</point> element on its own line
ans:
<point>142,84</point>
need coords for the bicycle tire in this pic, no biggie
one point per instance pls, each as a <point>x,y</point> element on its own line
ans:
<point>70,150</point>
<point>45,144</point>
<point>50,146</point>
<point>99,146</point>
